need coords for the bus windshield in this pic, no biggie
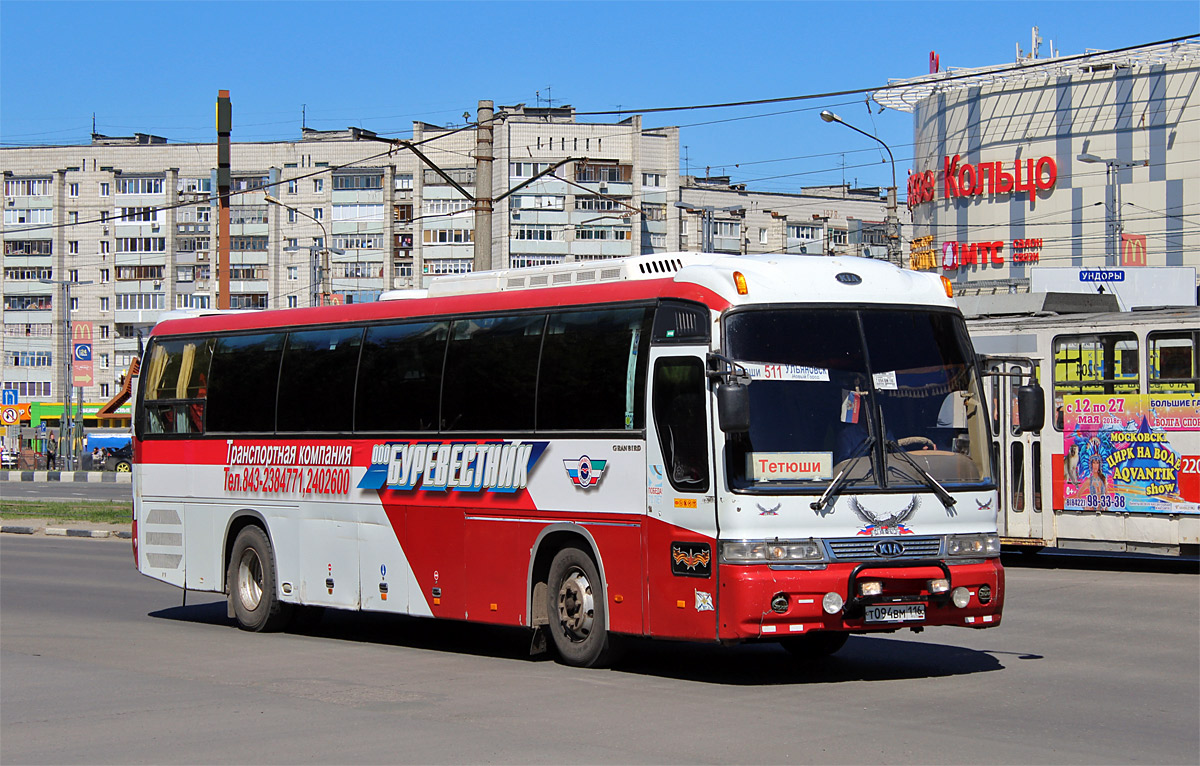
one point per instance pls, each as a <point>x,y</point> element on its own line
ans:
<point>891,396</point>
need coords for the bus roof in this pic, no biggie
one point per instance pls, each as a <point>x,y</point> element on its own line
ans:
<point>704,277</point>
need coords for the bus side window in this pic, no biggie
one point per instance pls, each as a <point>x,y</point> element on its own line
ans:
<point>679,386</point>
<point>400,377</point>
<point>176,386</point>
<point>243,382</point>
<point>316,381</point>
<point>1173,362</point>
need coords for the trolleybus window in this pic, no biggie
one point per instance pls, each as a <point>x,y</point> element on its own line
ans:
<point>1094,364</point>
<point>1172,367</point>
<point>400,377</point>
<point>491,373</point>
<point>316,380</point>
<point>242,383</point>
<point>593,373</point>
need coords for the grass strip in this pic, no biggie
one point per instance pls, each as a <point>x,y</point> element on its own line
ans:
<point>100,512</point>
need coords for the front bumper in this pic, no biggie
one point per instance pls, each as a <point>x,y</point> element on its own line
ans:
<point>747,592</point>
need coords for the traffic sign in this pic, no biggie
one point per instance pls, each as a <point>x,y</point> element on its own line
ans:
<point>9,397</point>
<point>83,352</point>
<point>9,415</point>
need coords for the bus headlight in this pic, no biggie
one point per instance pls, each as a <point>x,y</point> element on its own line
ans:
<point>987,545</point>
<point>773,551</point>
<point>961,597</point>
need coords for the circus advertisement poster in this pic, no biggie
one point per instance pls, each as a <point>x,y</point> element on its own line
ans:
<point>1136,453</point>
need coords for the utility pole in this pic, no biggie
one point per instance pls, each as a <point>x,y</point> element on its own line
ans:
<point>483,186</point>
<point>66,428</point>
<point>224,128</point>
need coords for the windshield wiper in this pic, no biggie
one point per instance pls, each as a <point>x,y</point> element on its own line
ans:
<point>926,478</point>
<point>842,478</point>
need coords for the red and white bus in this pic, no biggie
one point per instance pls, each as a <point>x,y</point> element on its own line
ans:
<point>687,446</point>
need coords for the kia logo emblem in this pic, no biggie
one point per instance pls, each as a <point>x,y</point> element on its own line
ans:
<point>847,278</point>
<point>889,548</point>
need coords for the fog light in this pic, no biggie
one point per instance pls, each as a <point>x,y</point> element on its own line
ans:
<point>939,586</point>
<point>870,588</point>
<point>961,597</point>
<point>985,594</point>
<point>779,602</point>
<point>832,603</point>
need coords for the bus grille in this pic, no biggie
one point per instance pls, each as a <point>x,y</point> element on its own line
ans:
<point>863,548</point>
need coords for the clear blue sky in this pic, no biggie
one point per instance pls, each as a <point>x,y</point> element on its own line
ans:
<point>156,67</point>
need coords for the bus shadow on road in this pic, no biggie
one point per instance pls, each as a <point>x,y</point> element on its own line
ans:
<point>875,658</point>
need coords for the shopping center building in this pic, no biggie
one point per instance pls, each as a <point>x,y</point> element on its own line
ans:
<point>1086,161</point>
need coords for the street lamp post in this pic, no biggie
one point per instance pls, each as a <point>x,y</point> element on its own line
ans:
<point>1114,227</point>
<point>893,218</point>
<point>66,427</point>
<point>323,251</point>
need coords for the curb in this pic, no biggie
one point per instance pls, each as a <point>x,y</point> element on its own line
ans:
<point>89,477</point>
<point>65,532</point>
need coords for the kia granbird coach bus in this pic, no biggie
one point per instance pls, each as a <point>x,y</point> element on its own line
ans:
<point>687,446</point>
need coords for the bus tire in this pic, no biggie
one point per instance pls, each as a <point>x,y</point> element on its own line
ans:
<point>821,643</point>
<point>576,607</point>
<point>252,585</point>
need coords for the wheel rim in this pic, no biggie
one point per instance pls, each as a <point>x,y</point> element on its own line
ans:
<point>122,467</point>
<point>250,578</point>
<point>576,608</point>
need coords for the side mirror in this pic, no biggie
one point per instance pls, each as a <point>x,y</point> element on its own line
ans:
<point>1031,407</point>
<point>733,407</point>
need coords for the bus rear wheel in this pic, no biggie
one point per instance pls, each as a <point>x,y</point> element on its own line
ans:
<point>251,582</point>
<point>577,610</point>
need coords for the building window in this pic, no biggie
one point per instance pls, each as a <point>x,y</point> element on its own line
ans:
<point>404,181</point>
<point>837,236</point>
<point>596,173</point>
<point>139,214</point>
<point>592,202</point>
<point>653,179</point>
<point>103,303</point>
<point>602,233</point>
<point>654,212</point>
<point>73,247</point>
<point>104,390</point>
<point>29,247</point>
<point>293,273</point>
<point>104,332</point>
<point>248,214</point>
<point>145,244</point>
<point>291,302</point>
<point>103,360</point>
<point>538,202</point>
<point>448,237</point>
<point>356,212</point>
<point>105,247</point>
<point>358,181</point>
<point>74,304</point>
<point>27,187</point>
<point>73,275</point>
<point>762,236</point>
<point>105,189</point>
<point>318,185</point>
<point>28,216</point>
<point>291,215</point>
<point>534,232</point>
<point>449,265</point>
<point>292,243</point>
<point>319,213</point>
<point>523,261</point>
<point>727,229</point>
<point>358,241</point>
<point>185,274</point>
<point>293,186</point>
<point>139,185</point>
<point>526,169</point>
<point>29,388</point>
<point>248,301</point>
<point>73,190</point>
<point>139,301</point>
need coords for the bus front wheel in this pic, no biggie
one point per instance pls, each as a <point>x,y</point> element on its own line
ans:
<point>821,643</point>
<point>577,609</point>
<point>251,582</point>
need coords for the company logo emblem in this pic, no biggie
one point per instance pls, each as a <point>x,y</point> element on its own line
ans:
<point>847,278</point>
<point>584,471</point>
<point>889,548</point>
<point>493,466</point>
<point>773,511</point>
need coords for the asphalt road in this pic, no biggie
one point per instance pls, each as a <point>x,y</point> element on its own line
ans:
<point>64,490</point>
<point>101,665</point>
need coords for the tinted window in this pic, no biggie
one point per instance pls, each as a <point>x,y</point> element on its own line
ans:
<point>242,381</point>
<point>491,373</point>
<point>400,377</point>
<point>316,381</point>
<point>593,372</point>
<point>176,385</point>
<point>679,391</point>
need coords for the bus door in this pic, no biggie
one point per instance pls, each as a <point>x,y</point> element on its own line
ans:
<point>1018,456</point>
<point>680,533</point>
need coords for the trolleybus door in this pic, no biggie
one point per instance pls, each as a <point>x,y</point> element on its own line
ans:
<point>681,531</point>
<point>1018,454</point>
